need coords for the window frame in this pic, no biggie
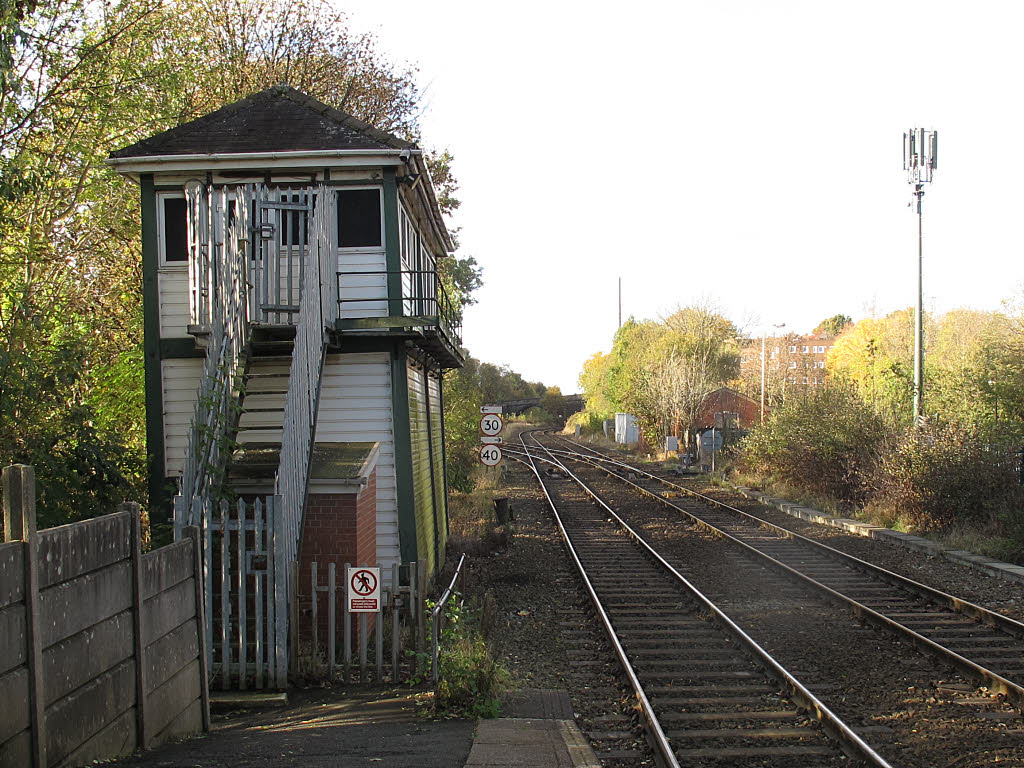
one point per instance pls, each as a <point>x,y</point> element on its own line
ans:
<point>383,233</point>
<point>161,237</point>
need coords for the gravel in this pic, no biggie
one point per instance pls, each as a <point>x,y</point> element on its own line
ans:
<point>919,713</point>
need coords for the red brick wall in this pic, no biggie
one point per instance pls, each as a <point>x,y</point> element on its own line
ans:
<point>339,528</point>
<point>725,399</point>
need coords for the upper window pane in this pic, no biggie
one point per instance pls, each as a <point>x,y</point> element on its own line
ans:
<point>175,237</point>
<point>359,218</point>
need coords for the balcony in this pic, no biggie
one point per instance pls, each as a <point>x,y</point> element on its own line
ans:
<point>409,303</point>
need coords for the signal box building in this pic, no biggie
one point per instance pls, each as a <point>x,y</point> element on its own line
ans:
<point>296,329</point>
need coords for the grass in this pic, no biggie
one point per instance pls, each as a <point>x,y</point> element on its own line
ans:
<point>474,528</point>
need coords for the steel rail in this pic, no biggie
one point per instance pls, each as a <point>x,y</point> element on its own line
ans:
<point>996,682</point>
<point>833,725</point>
<point>659,742</point>
<point>980,613</point>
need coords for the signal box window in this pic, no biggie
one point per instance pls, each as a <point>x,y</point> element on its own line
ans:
<point>359,218</point>
<point>174,232</point>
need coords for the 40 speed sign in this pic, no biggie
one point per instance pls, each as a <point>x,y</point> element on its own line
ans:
<point>490,455</point>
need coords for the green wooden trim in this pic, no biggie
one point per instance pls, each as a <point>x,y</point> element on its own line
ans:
<point>392,251</point>
<point>406,496</point>
<point>358,344</point>
<point>179,348</point>
<point>432,461</point>
<point>444,454</point>
<point>361,323</point>
<point>158,494</point>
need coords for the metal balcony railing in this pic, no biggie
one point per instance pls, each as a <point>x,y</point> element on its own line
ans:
<point>424,301</point>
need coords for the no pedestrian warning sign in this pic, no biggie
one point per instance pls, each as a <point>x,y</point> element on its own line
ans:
<point>363,590</point>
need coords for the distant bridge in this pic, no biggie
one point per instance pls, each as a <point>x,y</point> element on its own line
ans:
<point>573,404</point>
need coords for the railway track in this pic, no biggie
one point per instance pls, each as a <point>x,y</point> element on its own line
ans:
<point>981,643</point>
<point>707,694</point>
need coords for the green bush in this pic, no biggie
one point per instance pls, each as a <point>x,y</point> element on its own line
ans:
<point>823,443</point>
<point>471,680</point>
<point>947,477</point>
<point>590,423</point>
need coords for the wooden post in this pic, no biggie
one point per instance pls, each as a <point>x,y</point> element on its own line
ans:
<point>332,607</point>
<point>281,574</point>
<point>396,602</point>
<point>19,489</point>
<point>348,630</point>
<point>258,590</point>
<point>315,636</point>
<point>421,605</point>
<point>362,648</point>
<point>243,645</point>
<point>225,600</point>
<point>194,533</point>
<point>141,734</point>
<point>292,631</point>
<point>380,643</point>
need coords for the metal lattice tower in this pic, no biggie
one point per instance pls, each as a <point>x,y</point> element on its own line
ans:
<point>920,159</point>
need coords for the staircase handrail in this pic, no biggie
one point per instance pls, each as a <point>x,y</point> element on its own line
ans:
<point>218,238</point>
<point>316,310</point>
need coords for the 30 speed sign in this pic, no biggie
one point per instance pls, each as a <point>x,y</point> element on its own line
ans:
<point>490,424</point>
<point>490,455</point>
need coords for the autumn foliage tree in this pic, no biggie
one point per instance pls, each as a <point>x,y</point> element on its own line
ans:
<point>662,371</point>
<point>83,78</point>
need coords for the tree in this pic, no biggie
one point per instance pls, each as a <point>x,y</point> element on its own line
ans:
<point>876,357</point>
<point>82,79</point>
<point>698,354</point>
<point>553,402</point>
<point>834,325</point>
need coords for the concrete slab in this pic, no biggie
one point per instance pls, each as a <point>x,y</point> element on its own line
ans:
<point>996,568</point>
<point>538,703</point>
<point>324,729</point>
<point>530,742</point>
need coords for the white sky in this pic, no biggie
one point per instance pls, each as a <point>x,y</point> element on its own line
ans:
<point>744,152</point>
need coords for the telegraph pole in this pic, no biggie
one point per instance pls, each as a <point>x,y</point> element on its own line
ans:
<point>920,159</point>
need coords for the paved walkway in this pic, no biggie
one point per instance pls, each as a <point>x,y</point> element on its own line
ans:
<point>382,729</point>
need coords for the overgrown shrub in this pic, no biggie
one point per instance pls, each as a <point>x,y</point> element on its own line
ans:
<point>471,680</point>
<point>823,442</point>
<point>948,477</point>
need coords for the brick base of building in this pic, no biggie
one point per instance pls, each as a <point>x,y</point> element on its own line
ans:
<point>339,527</point>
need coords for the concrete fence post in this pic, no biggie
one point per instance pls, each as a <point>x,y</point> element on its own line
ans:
<point>19,492</point>
<point>142,737</point>
<point>192,532</point>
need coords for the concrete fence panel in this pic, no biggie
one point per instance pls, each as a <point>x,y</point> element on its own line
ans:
<point>101,647</point>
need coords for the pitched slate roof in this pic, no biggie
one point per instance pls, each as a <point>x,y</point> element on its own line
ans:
<point>279,119</point>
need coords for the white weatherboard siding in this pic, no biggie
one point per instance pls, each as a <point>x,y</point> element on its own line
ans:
<point>371,290</point>
<point>355,406</point>
<point>174,311</point>
<point>180,383</point>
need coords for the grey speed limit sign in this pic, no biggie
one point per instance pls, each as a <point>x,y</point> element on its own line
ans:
<point>491,424</point>
<point>490,455</point>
